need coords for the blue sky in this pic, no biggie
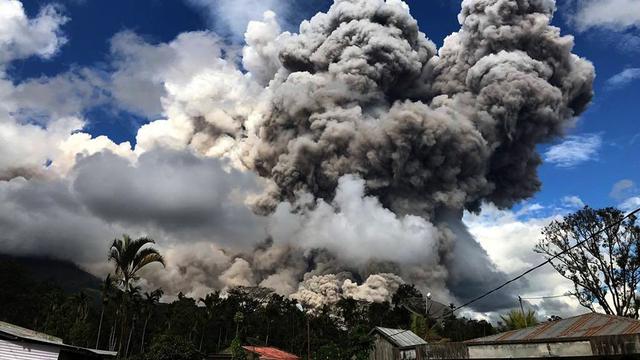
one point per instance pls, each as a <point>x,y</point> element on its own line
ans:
<point>82,76</point>
<point>611,121</point>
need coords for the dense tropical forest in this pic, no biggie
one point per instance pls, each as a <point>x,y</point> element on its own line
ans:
<point>117,315</point>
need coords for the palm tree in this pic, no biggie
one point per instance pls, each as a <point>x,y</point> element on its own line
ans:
<point>516,319</point>
<point>81,302</point>
<point>129,257</point>
<point>134,300</point>
<point>105,291</point>
<point>238,318</point>
<point>211,301</point>
<point>150,300</point>
<point>118,298</point>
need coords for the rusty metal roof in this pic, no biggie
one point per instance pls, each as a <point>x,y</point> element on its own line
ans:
<point>270,353</point>
<point>401,338</point>
<point>574,328</point>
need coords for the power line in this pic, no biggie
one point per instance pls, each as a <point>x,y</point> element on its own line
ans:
<point>547,297</point>
<point>579,243</point>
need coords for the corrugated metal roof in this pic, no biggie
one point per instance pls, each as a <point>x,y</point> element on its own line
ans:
<point>401,338</point>
<point>270,353</point>
<point>20,350</point>
<point>577,327</point>
<point>29,334</point>
<point>16,332</point>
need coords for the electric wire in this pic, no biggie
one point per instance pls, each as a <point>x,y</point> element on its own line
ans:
<point>546,297</point>
<point>530,270</point>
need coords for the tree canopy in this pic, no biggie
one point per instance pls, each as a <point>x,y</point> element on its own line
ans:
<point>150,325</point>
<point>516,319</point>
<point>129,256</point>
<point>605,270</point>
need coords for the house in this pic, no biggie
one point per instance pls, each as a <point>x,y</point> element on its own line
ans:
<point>267,353</point>
<point>397,344</point>
<point>587,336</point>
<point>19,343</point>
<point>258,353</point>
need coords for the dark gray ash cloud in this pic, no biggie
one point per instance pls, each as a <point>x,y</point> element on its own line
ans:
<point>362,92</point>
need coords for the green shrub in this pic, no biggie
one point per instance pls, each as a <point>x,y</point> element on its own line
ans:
<point>237,352</point>
<point>167,347</point>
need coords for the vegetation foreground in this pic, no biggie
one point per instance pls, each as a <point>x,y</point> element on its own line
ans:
<point>118,315</point>
<point>140,327</point>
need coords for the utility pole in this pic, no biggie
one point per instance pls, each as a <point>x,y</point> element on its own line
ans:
<point>522,309</point>
<point>427,311</point>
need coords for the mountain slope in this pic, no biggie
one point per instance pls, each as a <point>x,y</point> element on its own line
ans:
<point>62,273</point>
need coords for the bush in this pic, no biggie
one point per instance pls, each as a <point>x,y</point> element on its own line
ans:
<point>237,352</point>
<point>166,347</point>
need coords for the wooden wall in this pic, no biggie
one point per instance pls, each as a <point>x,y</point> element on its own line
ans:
<point>383,349</point>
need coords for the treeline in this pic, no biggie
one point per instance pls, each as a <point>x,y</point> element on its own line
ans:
<point>120,316</point>
<point>137,325</point>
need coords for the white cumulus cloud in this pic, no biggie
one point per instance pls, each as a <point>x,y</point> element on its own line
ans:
<point>572,201</point>
<point>611,14</point>
<point>509,241</point>
<point>21,37</point>
<point>627,193</point>
<point>630,204</point>
<point>624,78</point>
<point>574,150</point>
<point>623,189</point>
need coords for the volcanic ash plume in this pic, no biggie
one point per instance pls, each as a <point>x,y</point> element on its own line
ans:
<point>361,93</point>
<point>320,290</point>
<point>373,142</point>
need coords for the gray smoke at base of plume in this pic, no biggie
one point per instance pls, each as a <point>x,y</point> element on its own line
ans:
<point>313,277</point>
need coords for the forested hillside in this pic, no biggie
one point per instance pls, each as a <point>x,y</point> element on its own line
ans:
<point>64,301</point>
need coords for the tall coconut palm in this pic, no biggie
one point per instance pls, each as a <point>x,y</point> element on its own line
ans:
<point>150,301</point>
<point>81,303</point>
<point>134,301</point>
<point>105,291</point>
<point>238,318</point>
<point>210,302</point>
<point>130,256</point>
<point>118,298</point>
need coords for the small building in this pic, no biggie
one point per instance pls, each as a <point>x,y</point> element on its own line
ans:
<point>588,336</point>
<point>258,353</point>
<point>268,353</point>
<point>397,344</point>
<point>18,343</point>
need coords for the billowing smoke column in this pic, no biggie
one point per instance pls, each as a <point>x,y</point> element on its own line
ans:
<point>360,91</point>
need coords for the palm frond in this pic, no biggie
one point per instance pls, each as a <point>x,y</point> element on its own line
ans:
<point>129,257</point>
<point>145,257</point>
<point>134,246</point>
